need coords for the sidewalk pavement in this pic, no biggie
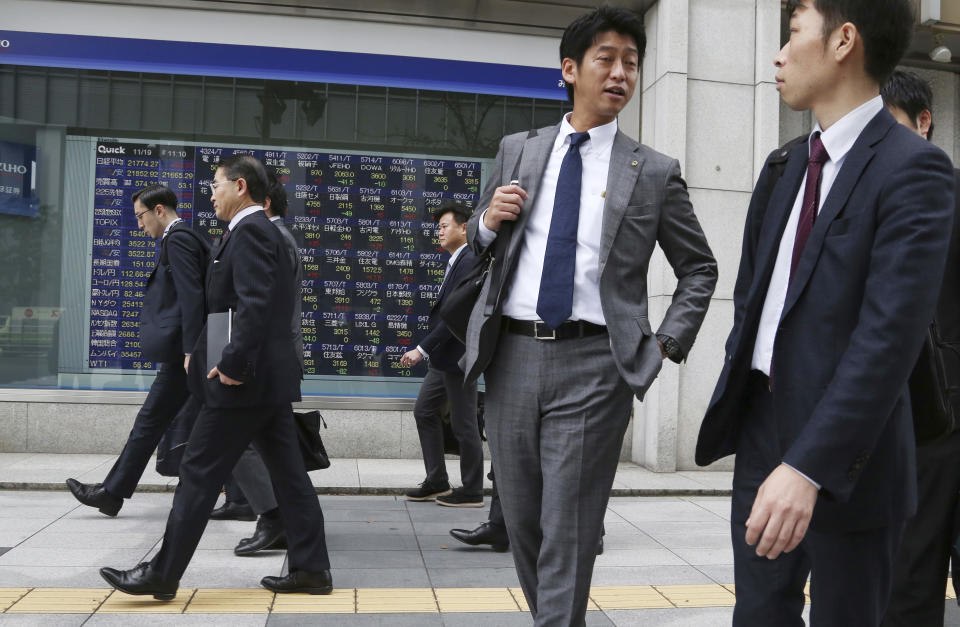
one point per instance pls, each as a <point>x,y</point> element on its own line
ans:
<point>667,559</point>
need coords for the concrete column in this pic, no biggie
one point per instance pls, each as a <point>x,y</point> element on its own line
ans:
<point>709,100</point>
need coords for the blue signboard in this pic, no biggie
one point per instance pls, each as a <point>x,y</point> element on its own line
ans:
<point>18,179</point>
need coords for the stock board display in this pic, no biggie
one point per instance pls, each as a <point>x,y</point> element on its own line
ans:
<point>363,224</point>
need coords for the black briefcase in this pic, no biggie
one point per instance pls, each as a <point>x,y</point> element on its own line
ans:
<point>935,387</point>
<point>308,435</point>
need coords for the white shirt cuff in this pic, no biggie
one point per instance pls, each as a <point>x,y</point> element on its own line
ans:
<point>815,484</point>
<point>485,235</point>
<point>423,352</point>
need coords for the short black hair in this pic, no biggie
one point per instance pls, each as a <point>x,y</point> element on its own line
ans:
<point>910,93</point>
<point>583,31</point>
<point>461,213</point>
<point>251,170</point>
<point>154,195</point>
<point>886,27</point>
<point>277,195</point>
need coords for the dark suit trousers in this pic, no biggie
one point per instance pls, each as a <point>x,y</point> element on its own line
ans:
<point>921,566</point>
<point>556,414</point>
<point>850,572</point>
<point>165,398</point>
<point>218,439</point>
<point>437,389</point>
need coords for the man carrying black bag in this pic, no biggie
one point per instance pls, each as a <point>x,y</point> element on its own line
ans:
<point>921,565</point>
<point>444,382</point>
<point>170,323</point>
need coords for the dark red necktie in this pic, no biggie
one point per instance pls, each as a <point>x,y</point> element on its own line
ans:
<point>811,198</point>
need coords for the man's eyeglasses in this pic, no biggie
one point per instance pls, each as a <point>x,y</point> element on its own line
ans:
<point>140,215</point>
<point>215,184</point>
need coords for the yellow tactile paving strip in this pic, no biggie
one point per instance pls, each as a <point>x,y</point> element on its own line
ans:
<point>352,601</point>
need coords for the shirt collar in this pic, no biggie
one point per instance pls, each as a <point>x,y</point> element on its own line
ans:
<point>275,218</point>
<point>601,137</point>
<point>167,230</point>
<point>243,213</point>
<point>456,254</point>
<point>840,138</point>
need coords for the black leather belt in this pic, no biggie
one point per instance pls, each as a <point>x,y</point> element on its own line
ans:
<point>566,331</point>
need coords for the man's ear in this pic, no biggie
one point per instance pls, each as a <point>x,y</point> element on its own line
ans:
<point>844,41</point>
<point>924,120</point>
<point>160,210</point>
<point>568,68</point>
<point>242,186</point>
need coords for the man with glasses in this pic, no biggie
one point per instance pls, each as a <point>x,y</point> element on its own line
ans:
<point>170,323</point>
<point>444,383</point>
<point>247,398</point>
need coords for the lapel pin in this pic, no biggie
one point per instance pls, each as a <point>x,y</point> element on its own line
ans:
<point>604,194</point>
<point>634,163</point>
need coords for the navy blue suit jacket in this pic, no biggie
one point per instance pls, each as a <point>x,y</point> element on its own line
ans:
<point>251,274</point>
<point>852,324</point>
<point>172,313</point>
<point>443,348</point>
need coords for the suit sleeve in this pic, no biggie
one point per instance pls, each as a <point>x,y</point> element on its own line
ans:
<point>185,259</point>
<point>914,216</point>
<point>255,270</point>
<point>473,224</point>
<point>685,246</point>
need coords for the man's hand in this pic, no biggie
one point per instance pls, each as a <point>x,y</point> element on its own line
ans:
<point>224,379</point>
<point>506,204</point>
<point>186,362</point>
<point>781,512</point>
<point>411,358</point>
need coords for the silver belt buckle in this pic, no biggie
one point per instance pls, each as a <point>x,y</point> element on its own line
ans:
<point>542,325</point>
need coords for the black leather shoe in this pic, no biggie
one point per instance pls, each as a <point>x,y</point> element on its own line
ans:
<point>140,580</point>
<point>300,581</point>
<point>233,511</point>
<point>486,533</point>
<point>95,496</point>
<point>270,534</point>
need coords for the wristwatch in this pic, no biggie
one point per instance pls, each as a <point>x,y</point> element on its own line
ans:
<point>671,347</point>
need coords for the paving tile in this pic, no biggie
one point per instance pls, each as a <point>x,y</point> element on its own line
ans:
<point>369,527</point>
<point>47,539</point>
<point>374,559</point>
<point>429,511</point>
<point>46,576</point>
<point>466,558</point>
<point>9,596</point>
<point>180,620</point>
<point>647,575</point>
<point>628,597</point>
<point>473,577</point>
<point>712,595</point>
<point>361,502</point>
<point>395,600</point>
<point>38,620</point>
<point>342,473</point>
<point>379,577</point>
<point>456,600</point>
<point>230,601</point>
<point>357,620</point>
<point>687,617</point>
<point>362,515</point>
<point>519,619</point>
<point>669,511</point>
<point>637,557</point>
<point>719,573</point>
<point>120,603</point>
<point>340,601</point>
<point>680,541</point>
<point>60,601</point>
<point>697,557</point>
<point>67,557</point>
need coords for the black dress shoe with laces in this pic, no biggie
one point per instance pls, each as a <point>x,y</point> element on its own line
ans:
<point>300,581</point>
<point>486,533</point>
<point>429,490</point>
<point>233,511</point>
<point>270,534</point>
<point>140,580</point>
<point>95,496</point>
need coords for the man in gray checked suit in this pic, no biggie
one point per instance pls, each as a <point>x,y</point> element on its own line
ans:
<point>561,330</point>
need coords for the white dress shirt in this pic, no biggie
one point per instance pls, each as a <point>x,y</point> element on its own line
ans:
<point>167,230</point>
<point>243,213</point>
<point>446,273</point>
<point>521,304</point>
<point>838,140</point>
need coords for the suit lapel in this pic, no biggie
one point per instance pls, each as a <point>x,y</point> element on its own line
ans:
<point>853,167</point>
<point>533,162</point>
<point>626,162</point>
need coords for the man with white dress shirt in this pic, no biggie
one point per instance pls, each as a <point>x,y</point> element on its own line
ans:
<point>561,331</point>
<point>843,251</point>
<point>444,384</point>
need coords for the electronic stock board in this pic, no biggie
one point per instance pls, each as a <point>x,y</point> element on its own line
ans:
<point>363,224</point>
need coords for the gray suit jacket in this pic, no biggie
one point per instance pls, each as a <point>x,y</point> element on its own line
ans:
<point>646,204</point>
<point>296,324</point>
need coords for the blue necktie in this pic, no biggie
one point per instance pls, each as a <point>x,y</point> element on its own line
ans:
<point>555,302</point>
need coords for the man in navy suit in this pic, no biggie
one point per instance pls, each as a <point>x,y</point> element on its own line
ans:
<point>170,323</point>
<point>247,396</point>
<point>840,271</point>
<point>444,382</point>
